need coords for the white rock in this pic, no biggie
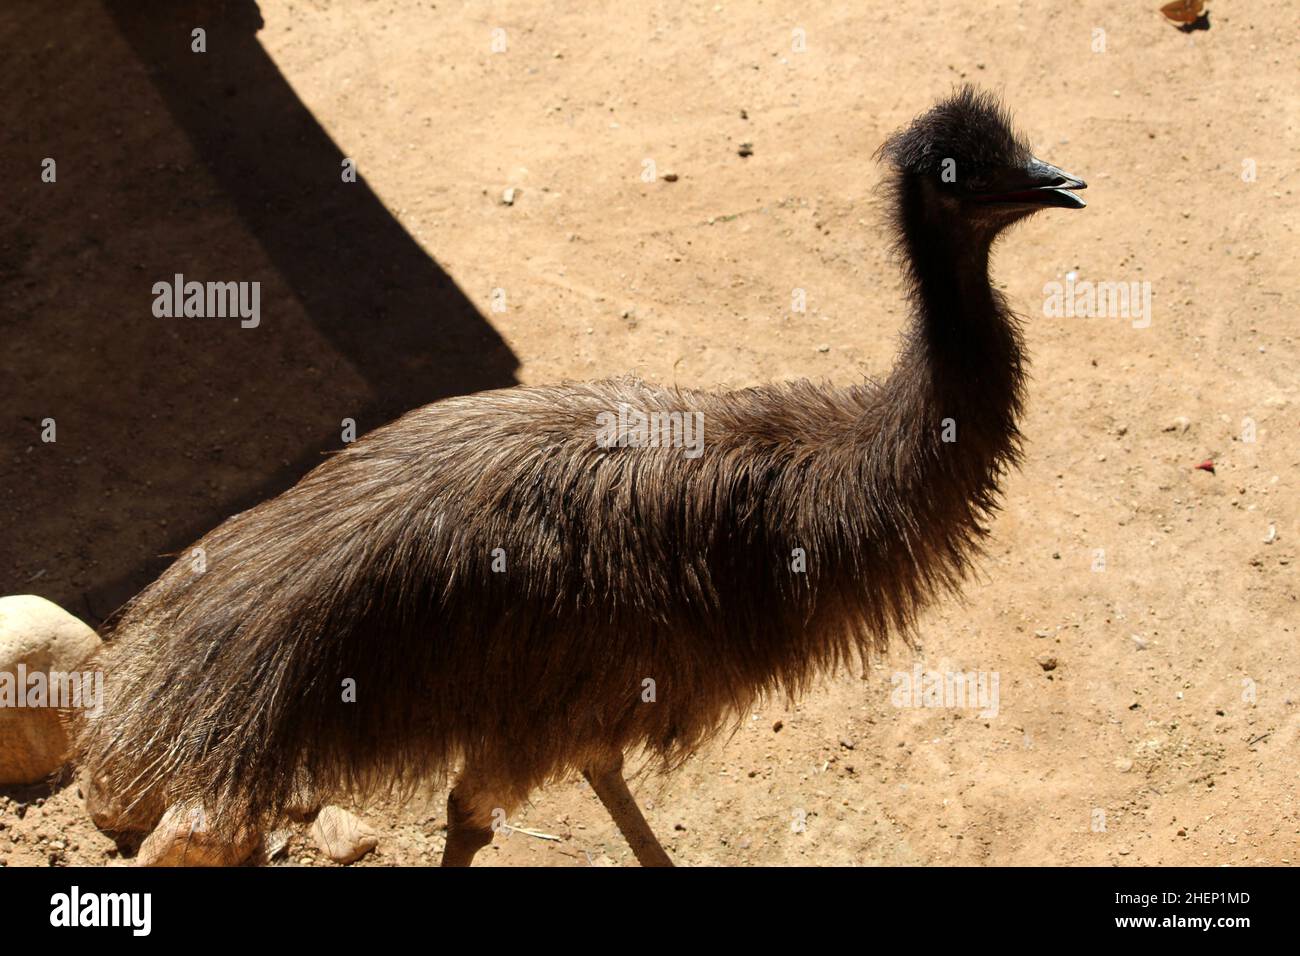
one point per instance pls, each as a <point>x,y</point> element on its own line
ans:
<point>343,836</point>
<point>185,838</point>
<point>36,636</point>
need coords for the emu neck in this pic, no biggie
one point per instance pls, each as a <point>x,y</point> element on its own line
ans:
<point>956,389</point>
<point>957,315</point>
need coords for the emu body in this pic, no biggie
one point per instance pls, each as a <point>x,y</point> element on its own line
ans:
<point>500,587</point>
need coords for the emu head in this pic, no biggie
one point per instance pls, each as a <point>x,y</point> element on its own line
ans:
<point>963,162</point>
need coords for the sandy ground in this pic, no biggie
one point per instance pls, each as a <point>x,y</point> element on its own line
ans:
<point>1149,710</point>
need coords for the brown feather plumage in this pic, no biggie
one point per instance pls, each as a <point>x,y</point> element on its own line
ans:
<point>224,687</point>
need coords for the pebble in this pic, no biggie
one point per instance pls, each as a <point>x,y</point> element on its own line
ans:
<point>40,636</point>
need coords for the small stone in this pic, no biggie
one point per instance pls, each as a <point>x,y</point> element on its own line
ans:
<point>823,348</point>
<point>1042,632</point>
<point>1123,764</point>
<point>38,636</point>
<point>1139,641</point>
<point>508,197</point>
<point>670,177</point>
<point>745,150</point>
<point>1179,424</point>
<point>1047,663</point>
<point>343,836</point>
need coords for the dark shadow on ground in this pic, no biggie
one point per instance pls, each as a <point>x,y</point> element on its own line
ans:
<point>208,165</point>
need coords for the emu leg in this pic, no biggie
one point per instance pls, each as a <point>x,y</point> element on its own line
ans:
<point>469,828</point>
<point>612,789</point>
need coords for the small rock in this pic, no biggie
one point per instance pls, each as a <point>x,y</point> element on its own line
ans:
<point>508,197</point>
<point>37,636</point>
<point>1042,632</point>
<point>670,177</point>
<point>343,836</point>
<point>183,838</point>
<point>776,727</point>
<point>1139,641</point>
<point>846,743</point>
<point>1047,663</point>
<point>1179,424</point>
<point>1123,764</point>
<point>746,150</point>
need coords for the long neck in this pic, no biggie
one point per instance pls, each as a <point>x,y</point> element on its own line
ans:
<point>944,428</point>
<point>960,373</point>
<point>964,348</point>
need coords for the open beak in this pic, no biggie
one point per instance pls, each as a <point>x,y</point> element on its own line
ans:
<point>1036,184</point>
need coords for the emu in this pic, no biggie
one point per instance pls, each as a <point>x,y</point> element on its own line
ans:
<point>498,586</point>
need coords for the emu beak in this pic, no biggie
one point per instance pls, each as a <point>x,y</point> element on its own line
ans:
<point>1036,184</point>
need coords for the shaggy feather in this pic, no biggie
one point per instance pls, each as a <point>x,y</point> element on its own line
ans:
<point>225,687</point>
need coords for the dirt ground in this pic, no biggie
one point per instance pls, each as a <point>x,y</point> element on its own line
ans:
<point>1141,614</point>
